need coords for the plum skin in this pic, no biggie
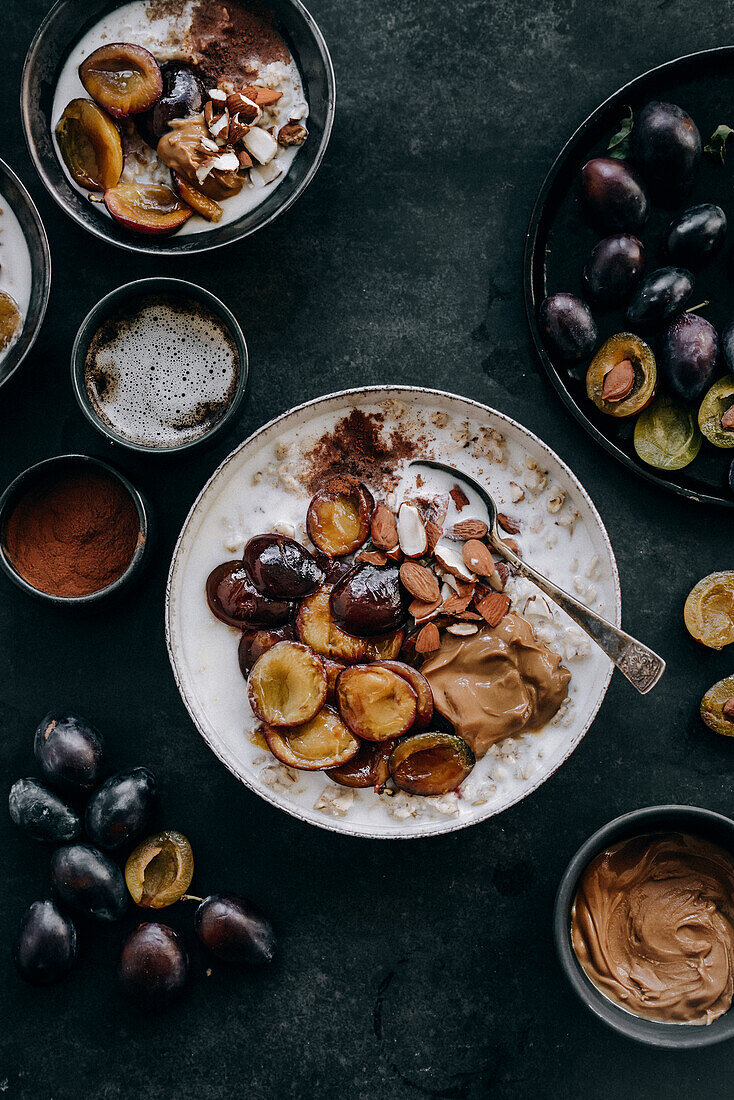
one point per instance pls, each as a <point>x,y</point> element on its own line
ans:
<point>183,94</point>
<point>660,296</point>
<point>614,268</point>
<point>688,356</point>
<point>567,326</point>
<point>42,814</point>
<point>45,946</point>
<point>120,812</point>
<point>69,752</point>
<point>88,882</point>
<point>666,145</point>
<point>281,568</point>
<point>614,195</point>
<point>153,965</point>
<point>369,600</point>
<point>234,930</point>
<point>695,236</point>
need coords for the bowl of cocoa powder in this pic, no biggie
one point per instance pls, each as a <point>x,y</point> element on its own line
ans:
<point>73,531</point>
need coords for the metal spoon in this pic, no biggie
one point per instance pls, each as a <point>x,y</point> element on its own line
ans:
<point>642,667</point>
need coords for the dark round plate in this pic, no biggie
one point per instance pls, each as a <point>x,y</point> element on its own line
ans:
<point>559,241</point>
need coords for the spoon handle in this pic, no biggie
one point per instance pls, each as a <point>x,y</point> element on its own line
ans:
<point>642,667</point>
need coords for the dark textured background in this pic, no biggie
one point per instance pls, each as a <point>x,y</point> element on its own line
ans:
<point>407,969</point>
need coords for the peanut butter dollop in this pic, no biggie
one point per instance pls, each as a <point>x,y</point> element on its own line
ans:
<point>183,150</point>
<point>497,683</point>
<point>653,927</point>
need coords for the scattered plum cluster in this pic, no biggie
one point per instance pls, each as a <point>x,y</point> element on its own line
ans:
<point>655,160</point>
<point>87,883</point>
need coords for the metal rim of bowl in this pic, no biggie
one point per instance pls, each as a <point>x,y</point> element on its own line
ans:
<point>28,334</point>
<point>137,244</point>
<point>694,819</point>
<point>141,507</point>
<point>530,262</point>
<point>132,290</point>
<point>233,766</point>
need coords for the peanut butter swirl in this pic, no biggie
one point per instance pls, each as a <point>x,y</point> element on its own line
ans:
<point>653,927</point>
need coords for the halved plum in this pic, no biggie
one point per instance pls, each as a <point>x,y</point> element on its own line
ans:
<point>709,610</point>
<point>622,376</point>
<point>281,568</point>
<point>339,516</point>
<point>254,643</point>
<point>122,77</point>
<point>430,763</point>
<point>197,200</point>
<point>385,647</point>
<point>316,627</point>
<point>717,707</point>
<point>90,145</point>
<point>421,687</point>
<point>715,416</point>
<point>10,320</point>
<point>332,670</point>
<point>323,742</point>
<point>146,208</point>
<point>234,600</point>
<point>369,768</point>
<point>370,600</point>
<point>159,871</point>
<point>666,435</point>
<point>287,685</point>
<point>375,702</point>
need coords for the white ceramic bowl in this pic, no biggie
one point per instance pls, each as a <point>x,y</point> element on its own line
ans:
<point>257,486</point>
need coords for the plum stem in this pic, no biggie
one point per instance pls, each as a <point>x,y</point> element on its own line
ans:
<point>692,309</point>
<point>190,897</point>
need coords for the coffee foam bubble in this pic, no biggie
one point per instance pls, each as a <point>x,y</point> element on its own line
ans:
<point>162,371</point>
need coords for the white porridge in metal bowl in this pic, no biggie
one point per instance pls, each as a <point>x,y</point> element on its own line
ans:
<point>351,746</point>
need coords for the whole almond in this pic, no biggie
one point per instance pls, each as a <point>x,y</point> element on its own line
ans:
<point>264,97</point>
<point>420,582</point>
<point>507,523</point>
<point>478,558</point>
<point>428,640</point>
<point>470,529</point>
<point>494,607</point>
<point>384,528</point>
<point>618,382</point>
<point>245,106</point>
<point>727,420</point>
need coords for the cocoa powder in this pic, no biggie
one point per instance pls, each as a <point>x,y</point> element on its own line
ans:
<point>358,447</point>
<point>230,41</point>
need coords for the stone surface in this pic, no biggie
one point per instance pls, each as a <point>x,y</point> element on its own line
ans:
<point>407,969</point>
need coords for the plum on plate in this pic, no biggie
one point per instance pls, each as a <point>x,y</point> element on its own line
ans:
<point>666,147</point>
<point>339,516</point>
<point>235,931</point>
<point>88,882</point>
<point>614,269</point>
<point>287,685</point>
<point>182,94</point>
<point>614,196</point>
<point>689,351</point>
<point>367,769</point>
<point>385,647</point>
<point>370,600</point>
<point>200,203</point>
<point>90,145</point>
<point>120,812</point>
<point>281,568</point>
<point>153,965</point>
<point>666,434</point>
<point>659,297</point>
<point>41,813</point>
<point>254,643</point>
<point>122,77</point>
<point>622,375</point>
<point>567,326</point>
<point>323,742</point>
<point>696,235</point>
<point>716,414</point>
<point>45,944</point>
<point>317,628</point>
<point>70,753</point>
<point>159,871</point>
<point>376,703</point>
<point>421,687</point>
<point>430,763</point>
<point>233,598</point>
<point>148,208</point>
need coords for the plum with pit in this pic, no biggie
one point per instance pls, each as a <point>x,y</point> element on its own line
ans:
<point>622,375</point>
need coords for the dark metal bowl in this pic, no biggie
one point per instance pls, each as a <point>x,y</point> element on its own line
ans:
<point>687,819</point>
<point>559,241</point>
<point>68,21</point>
<point>16,196</point>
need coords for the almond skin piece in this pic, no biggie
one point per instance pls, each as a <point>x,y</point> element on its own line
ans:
<point>420,610</point>
<point>727,420</point>
<point>455,605</point>
<point>507,523</point>
<point>494,607</point>
<point>459,497</point>
<point>478,558</point>
<point>470,529</point>
<point>433,534</point>
<point>384,528</point>
<point>503,572</point>
<point>428,640</point>
<point>372,557</point>
<point>619,381</point>
<point>420,582</point>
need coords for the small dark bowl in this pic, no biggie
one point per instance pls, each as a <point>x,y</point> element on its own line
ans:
<point>35,474</point>
<point>16,196</point>
<point>68,21</point>
<point>179,288</point>
<point>652,819</point>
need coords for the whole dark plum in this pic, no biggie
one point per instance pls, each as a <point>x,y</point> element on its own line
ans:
<point>45,944</point>
<point>696,235</point>
<point>41,813</point>
<point>254,643</point>
<point>730,476</point>
<point>369,599</point>
<point>614,269</point>
<point>121,811</point>
<point>153,965</point>
<point>659,297</point>
<point>281,568</point>
<point>567,326</point>
<point>69,752</point>
<point>183,94</point>
<point>666,146</point>
<point>614,195</point>
<point>233,598</point>
<point>88,882</point>
<point>727,345</point>
<point>234,930</point>
<point>689,350</point>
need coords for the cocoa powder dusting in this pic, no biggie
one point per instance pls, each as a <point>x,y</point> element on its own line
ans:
<point>230,41</point>
<point>358,448</point>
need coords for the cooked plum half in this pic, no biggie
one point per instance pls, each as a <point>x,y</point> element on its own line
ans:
<point>614,269</point>
<point>90,144</point>
<point>689,352</point>
<point>430,763</point>
<point>42,814</point>
<point>10,320</point>
<point>614,195</point>
<point>696,235</point>
<point>367,769</point>
<point>666,434</point>
<point>146,208</point>
<point>182,94</point>
<point>660,296</point>
<point>385,647</point>
<point>709,610</point>
<point>287,685</point>
<point>717,707</point>
<point>421,687</point>
<point>332,670</point>
<point>370,600</point>
<point>666,146</point>
<point>338,518</point>
<point>234,600</point>
<point>159,871</point>
<point>254,643</point>
<point>376,703</point>
<point>622,376</point>
<point>716,414</point>
<point>123,78</point>
<point>197,200</point>
<point>45,944</point>
<point>281,568</point>
<point>235,930</point>
<point>323,742</point>
<point>88,882</point>
<point>567,326</point>
<point>316,628</point>
<point>153,965</point>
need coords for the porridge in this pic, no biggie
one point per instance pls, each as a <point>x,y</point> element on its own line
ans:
<point>15,278</point>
